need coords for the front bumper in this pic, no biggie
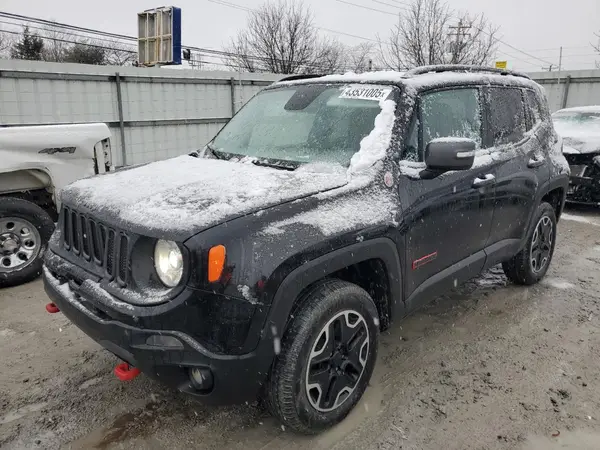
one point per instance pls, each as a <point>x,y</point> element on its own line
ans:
<point>236,378</point>
<point>584,182</point>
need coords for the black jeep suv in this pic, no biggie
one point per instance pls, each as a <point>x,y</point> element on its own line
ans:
<point>328,207</point>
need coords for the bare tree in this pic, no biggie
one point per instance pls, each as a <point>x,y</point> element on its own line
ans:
<point>280,37</point>
<point>360,57</point>
<point>55,44</point>
<point>119,53</point>
<point>430,32</point>
<point>239,55</point>
<point>329,57</point>
<point>5,44</point>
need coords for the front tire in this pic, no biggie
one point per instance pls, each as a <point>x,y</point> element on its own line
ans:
<point>25,230</point>
<point>531,264</point>
<point>327,357</point>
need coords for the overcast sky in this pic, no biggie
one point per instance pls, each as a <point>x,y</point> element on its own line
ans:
<point>538,27</point>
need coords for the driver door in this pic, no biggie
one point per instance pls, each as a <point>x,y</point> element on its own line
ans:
<point>447,219</point>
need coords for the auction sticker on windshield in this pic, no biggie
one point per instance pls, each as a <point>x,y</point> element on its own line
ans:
<point>365,93</point>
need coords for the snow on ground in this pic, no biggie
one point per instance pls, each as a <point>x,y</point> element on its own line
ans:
<point>557,283</point>
<point>582,219</point>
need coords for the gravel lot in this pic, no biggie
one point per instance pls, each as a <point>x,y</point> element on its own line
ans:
<point>489,366</point>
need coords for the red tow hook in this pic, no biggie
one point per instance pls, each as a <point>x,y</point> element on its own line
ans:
<point>52,308</point>
<point>125,372</point>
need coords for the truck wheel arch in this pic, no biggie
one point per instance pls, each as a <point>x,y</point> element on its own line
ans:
<point>24,180</point>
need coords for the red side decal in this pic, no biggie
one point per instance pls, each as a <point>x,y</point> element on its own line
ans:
<point>423,260</point>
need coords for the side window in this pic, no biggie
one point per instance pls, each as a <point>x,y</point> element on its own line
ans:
<point>411,148</point>
<point>451,113</point>
<point>507,115</point>
<point>533,104</point>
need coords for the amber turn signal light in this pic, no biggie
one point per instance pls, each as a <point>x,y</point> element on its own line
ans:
<point>216,263</point>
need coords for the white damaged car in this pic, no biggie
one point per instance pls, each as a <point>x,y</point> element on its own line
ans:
<point>35,164</point>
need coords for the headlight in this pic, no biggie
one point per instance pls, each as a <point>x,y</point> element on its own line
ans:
<point>168,262</point>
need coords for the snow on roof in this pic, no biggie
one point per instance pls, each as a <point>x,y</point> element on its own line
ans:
<point>351,77</point>
<point>417,81</point>
<point>582,109</point>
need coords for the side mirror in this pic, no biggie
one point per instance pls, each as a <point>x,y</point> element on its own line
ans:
<point>445,154</point>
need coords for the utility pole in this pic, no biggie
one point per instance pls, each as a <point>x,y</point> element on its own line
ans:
<point>558,79</point>
<point>458,43</point>
<point>559,65</point>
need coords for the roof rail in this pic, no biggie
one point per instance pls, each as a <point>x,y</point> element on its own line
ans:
<point>461,68</point>
<point>301,77</point>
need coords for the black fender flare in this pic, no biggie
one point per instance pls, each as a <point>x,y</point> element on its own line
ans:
<point>301,277</point>
<point>561,181</point>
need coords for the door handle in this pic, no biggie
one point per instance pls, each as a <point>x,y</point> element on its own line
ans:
<point>485,181</point>
<point>536,161</point>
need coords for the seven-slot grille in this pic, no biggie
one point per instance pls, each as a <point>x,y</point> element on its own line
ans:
<point>105,247</point>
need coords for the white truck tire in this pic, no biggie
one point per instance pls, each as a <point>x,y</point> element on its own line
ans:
<point>25,230</point>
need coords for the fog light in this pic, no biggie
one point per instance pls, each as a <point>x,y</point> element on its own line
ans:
<point>202,379</point>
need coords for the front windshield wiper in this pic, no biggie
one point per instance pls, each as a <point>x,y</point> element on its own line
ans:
<point>215,153</point>
<point>275,165</point>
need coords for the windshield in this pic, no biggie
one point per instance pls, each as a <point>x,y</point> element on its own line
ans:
<point>303,124</point>
<point>577,120</point>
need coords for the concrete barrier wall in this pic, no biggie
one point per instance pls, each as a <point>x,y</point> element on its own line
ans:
<point>570,88</point>
<point>153,113</point>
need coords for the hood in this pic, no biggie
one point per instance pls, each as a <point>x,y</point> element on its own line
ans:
<point>579,139</point>
<point>182,196</point>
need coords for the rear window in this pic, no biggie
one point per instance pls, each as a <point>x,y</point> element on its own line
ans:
<point>534,107</point>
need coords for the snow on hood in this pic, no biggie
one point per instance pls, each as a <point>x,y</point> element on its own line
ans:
<point>184,195</point>
<point>580,138</point>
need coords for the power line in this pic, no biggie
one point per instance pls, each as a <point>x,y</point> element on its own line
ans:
<point>480,29</point>
<point>366,7</point>
<point>389,4</point>
<point>232,5</point>
<point>64,25</point>
<point>33,27</point>
<point>508,45</point>
<point>247,9</point>
<point>76,42</point>
<point>518,59</point>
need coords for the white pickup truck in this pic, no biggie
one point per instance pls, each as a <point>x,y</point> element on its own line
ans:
<point>35,164</point>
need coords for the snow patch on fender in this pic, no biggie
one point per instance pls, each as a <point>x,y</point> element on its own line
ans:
<point>247,294</point>
<point>343,214</point>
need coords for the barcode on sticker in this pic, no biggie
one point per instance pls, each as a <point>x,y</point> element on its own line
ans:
<point>365,93</point>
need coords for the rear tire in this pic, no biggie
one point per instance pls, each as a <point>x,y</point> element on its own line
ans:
<point>25,230</point>
<point>327,357</point>
<point>531,264</point>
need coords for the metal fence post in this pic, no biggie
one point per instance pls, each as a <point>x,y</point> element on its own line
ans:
<point>566,92</point>
<point>121,120</point>
<point>232,85</point>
